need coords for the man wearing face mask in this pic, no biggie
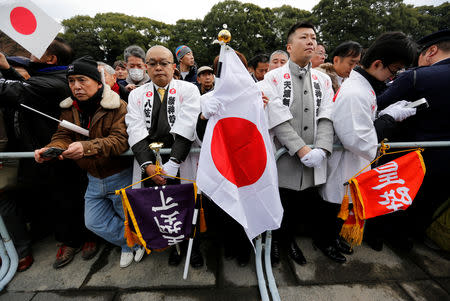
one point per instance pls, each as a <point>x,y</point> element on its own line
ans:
<point>135,59</point>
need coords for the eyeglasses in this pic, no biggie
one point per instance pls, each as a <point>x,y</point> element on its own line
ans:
<point>163,64</point>
<point>322,54</point>
<point>394,73</point>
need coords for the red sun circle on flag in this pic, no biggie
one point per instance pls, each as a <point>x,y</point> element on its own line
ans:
<point>238,151</point>
<point>23,20</point>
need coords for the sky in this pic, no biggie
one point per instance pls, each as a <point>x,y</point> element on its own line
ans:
<point>171,12</point>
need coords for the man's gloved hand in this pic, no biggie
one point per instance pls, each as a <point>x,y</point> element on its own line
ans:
<point>210,105</point>
<point>314,157</point>
<point>399,111</point>
<point>171,168</point>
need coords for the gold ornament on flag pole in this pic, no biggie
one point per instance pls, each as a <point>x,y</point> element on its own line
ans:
<point>156,146</point>
<point>224,36</point>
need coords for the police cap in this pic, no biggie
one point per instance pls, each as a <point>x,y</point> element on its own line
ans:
<point>434,38</point>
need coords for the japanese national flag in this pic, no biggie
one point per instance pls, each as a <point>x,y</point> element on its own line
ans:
<point>28,25</point>
<point>237,166</point>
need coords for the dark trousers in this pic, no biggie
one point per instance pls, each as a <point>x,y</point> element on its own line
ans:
<point>226,228</point>
<point>300,213</point>
<point>328,225</point>
<point>54,194</point>
<point>14,219</point>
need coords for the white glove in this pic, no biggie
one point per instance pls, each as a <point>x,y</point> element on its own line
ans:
<point>398,110</point>
<point>314,157</point>
<point>171,168</point>
<point>210,105</point>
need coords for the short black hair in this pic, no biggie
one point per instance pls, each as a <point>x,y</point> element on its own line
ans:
<point>298,25</point>
<point>62,50</point>
<point>260,58</point>
<point>390,47</point>
<point>347,49</point>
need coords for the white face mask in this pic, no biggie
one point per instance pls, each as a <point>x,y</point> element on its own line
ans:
<point>136,74</point>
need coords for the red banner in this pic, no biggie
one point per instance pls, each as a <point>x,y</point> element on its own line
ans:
<point>383,190</point>
<point>389,187</point>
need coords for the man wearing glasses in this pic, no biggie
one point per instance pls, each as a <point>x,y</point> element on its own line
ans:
<point>320,55</point>
<point>163,110</point>
<point>357,125</point>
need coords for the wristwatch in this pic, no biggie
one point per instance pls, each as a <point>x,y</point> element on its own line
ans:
<point>144,166</point>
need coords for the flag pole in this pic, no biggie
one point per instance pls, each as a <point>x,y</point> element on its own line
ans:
<point>155,147</point>
<point>191,240</point>
<point>223,38</point>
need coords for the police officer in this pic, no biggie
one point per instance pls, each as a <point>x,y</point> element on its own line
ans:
<point>431,81</point>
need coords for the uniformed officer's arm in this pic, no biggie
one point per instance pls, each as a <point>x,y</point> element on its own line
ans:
<point>401,89</point>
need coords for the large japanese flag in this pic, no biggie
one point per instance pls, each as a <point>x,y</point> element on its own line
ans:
<point>237,167</point>
<point>28,25</point>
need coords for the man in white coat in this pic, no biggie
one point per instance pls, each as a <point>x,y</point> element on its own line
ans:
<point>299,112</point>
<point>356,123</point>
<point>163,110</point>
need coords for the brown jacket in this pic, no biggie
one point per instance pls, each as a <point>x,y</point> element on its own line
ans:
<point>108,137</point>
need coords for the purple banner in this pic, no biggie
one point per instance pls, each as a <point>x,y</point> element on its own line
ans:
<point>163,213</point>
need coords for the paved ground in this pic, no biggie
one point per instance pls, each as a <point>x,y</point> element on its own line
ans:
<point>422,274</point>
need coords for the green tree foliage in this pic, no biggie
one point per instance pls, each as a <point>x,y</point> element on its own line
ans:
<point>105,36</point>
<point>193,34</point>
<point>249,24</point>
<point>364,20</point>
<point>432,18</point>
<point>283,19</point>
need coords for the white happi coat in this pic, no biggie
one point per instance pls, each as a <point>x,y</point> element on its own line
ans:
<point>183,108</point>
<point>354,113</point>
<point>277,86</point>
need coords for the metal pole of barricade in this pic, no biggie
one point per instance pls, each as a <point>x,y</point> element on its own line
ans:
<point>268,264</point>
<point>7,244</point>
<point>259,269</point>
<point>166,151</point>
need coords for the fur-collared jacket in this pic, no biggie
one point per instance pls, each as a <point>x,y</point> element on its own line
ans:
<point>108,136</point>
<point>328,69</point>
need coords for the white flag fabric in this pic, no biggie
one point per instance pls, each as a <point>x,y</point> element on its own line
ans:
<point>28,25</point>
<point>237,167</point>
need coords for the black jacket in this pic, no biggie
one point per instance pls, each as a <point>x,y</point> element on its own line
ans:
<point>191,76</point>
<point>43,91</point>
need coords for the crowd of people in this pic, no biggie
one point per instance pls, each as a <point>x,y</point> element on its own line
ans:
<point>357,98</point>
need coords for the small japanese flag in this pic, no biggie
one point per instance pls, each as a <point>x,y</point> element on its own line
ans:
<point>28,25</point>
